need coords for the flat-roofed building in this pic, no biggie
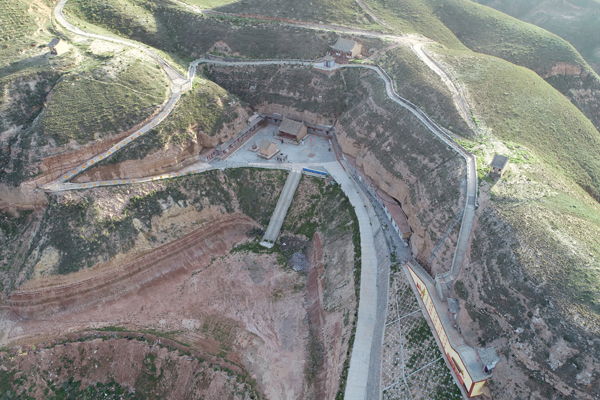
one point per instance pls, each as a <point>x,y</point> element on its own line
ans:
<point>292,129</point>
<point>346,48</point>
<point>58,47</point>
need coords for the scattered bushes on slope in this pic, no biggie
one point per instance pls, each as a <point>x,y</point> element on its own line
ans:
<point>173,29</point>
<point>82,232</point>
<point>206,108</point>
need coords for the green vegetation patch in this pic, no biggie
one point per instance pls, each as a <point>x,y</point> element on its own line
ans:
<point>343,12</point>
<point>579,28</point>
<point>416,82</point>
<point>488,31</point>
<point>91,105</point>
<point>177,30</point>
<point>414,16</point>
<point>17,28</point>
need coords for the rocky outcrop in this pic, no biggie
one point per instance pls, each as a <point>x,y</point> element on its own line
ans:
<point>291,112</point>
<point>170,158</point>
<point>566,69</point>
<point>16,198</point>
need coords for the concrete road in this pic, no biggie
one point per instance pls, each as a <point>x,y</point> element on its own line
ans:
<point>356,386</point>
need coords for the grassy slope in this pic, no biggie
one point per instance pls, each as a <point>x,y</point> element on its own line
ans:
<point>89,104</point>
<point>515,103</point>
<point>204,109</point>
<point>421,86</point>
<point>17,30</point>
<point>174,30</point>
<point>460,23</point>
<point>575,21</point>
<point>343,12</point>
<point>487,31</point>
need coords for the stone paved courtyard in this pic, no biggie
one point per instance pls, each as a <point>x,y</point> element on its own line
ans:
<point>413,367</point>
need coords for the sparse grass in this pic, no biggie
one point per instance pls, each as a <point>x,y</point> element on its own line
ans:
<point>343,12</point>
<point>91,105</point>
<point>17,29</point>
<point>417,83</point>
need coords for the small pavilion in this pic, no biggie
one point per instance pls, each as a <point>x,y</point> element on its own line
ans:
<point>267,149</point>
<point>58,47</point>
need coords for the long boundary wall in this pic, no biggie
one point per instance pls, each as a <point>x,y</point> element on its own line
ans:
<point>462,359</point>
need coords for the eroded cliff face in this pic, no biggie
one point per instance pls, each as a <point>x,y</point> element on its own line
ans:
<point>389,144</point>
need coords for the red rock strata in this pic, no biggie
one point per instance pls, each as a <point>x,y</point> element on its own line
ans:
<point>106,282</point>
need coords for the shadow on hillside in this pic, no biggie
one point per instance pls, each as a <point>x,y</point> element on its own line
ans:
<point>22,65</point>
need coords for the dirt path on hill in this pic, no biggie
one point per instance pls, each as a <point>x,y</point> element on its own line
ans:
<point>458,95</point>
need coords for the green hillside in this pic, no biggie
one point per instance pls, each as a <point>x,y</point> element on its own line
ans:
<point>17,29</point>
<point>91,105</point>
<point>343,12</point>
<point>417,83</point>
<point>491,32</point>
<point>206,108</point>
<point>175,30</point>
<point>516,104</point>
<point>575,21</point>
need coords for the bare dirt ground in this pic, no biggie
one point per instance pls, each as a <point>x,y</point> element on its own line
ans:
<point>244,307</point>
<point>286,329</point>
<point>125,365</point>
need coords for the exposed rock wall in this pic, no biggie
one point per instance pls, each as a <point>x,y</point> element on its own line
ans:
<point>170,157</point>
